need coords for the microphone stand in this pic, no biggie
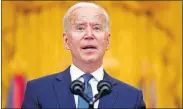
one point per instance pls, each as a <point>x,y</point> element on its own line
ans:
<point>97,97</point>
<point>91,105</point>
<point>90,102</point>
<point>76,88</point>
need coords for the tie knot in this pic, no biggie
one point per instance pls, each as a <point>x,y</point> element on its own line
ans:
<point>87,77</point>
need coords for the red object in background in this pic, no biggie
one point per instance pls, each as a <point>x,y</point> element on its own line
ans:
<point>16,91</point>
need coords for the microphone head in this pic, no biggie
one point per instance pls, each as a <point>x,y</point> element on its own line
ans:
<point>77,87</point>
<point>104,87</point>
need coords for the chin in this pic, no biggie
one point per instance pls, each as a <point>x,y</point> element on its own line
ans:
<point>89,60</point>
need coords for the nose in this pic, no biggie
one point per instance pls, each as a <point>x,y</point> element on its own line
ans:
<point>89,34</point>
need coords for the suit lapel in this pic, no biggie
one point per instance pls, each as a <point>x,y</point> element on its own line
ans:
<point>108,101</point>
<point>66,98</point>
<point>62,91</point>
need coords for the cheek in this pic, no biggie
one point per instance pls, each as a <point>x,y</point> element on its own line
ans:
<point>103,41</point>
<point>101,37</point>
<point>75,40</point>
<point>99,34</point>
<point>77,34</point>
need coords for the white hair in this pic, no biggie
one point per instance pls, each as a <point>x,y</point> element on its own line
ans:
<point>83,4</point>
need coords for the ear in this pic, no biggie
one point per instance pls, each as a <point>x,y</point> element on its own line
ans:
<point>66,41</point>
<point>108,41</point>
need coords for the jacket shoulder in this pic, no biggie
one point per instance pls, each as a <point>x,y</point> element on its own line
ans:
<point>125,86</point>
<point>129,94</point>
<point>43,81</point>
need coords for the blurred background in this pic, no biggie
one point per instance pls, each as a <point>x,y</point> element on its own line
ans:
<point>146,47</point>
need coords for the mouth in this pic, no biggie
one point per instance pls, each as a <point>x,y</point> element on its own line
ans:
<point>89,47</point>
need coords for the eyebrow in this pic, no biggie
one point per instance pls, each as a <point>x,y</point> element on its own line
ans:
<point>96,24</point>
<point>85,23</point>
<point>80,24</point>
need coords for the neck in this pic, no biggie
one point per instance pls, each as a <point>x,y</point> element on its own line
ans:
<point>88,67</point>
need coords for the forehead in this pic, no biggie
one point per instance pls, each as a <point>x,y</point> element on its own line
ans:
<point>86,14</point>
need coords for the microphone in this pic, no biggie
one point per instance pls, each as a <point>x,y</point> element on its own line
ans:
<point>104,88</point>
<point>77,88</point>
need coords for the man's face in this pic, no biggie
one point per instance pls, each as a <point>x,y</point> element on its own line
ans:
<point>87,37</point>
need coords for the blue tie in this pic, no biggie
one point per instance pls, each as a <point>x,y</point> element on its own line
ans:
<point>88,91</point>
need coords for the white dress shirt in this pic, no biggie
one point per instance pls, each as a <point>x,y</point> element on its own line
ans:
<point>98,75</point>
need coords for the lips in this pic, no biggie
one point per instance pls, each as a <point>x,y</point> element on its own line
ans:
<point>87,47</point>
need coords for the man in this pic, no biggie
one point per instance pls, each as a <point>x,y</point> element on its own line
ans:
<point>87,36</point>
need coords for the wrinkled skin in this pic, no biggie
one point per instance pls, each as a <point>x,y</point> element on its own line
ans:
<point>87,38</point>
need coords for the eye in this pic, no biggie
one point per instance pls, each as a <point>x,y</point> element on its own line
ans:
<point>97,28</point>
<point>80,28</point>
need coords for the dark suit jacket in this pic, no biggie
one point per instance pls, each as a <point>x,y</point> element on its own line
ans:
<point>53,92</point>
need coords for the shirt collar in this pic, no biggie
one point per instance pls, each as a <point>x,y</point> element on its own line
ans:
<point>77,73</point>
